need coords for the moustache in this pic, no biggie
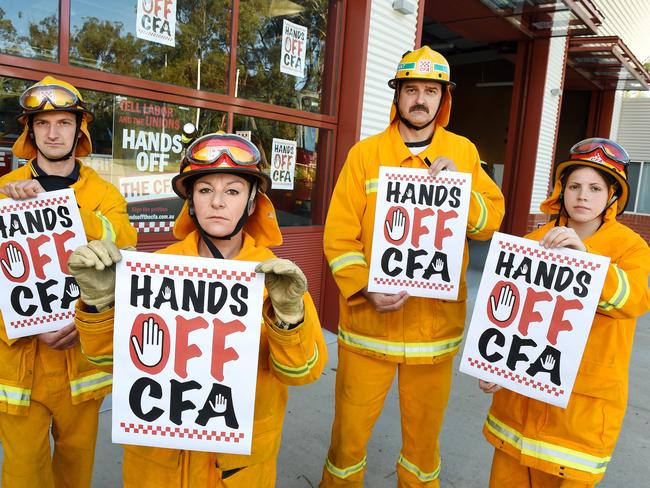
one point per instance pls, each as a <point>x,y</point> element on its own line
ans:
<point>418,106</point>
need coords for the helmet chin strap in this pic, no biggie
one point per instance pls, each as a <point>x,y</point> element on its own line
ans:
<point>207,238</point>
<point>70,153</point>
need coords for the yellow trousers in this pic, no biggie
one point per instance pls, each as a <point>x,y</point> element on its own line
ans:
<point>28,459</point>
<point>508,473</point>
<point>361,387</point>
<point>169,468</point>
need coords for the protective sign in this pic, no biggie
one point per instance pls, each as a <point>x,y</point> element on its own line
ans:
<point>186,344</point>
<point>283,164</point>
<point>38,237</point>
<point>419,233</point>
<point>532,317</point>
<point>156,21</point>
<point>293,51</point>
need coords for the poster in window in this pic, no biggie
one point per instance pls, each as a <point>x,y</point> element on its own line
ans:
<point>283,164</point>
<point>293,51</point>
<point>156,21</point>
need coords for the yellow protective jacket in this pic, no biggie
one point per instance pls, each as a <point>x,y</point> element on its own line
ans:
<point>423,330</point>
<point>103,213</point>
<point>577,442</point>
<point>294,357</point>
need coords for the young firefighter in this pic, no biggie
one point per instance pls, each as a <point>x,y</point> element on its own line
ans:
<point>45,382</point>
<point>380,334</point>
<point>226,215</point>
<point>540,445</point>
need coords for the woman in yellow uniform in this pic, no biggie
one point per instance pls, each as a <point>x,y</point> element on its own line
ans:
<point>226,215</point>
<point>540,445</point>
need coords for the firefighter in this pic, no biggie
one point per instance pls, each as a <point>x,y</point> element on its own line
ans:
<point>47,385</point>
<point>383,334</point>
<point>226,215</point>
<point>541,445</point>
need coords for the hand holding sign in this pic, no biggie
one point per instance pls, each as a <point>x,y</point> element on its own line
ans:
<point>286,285</point>
<point>14,265</point>
<point>153,342</point>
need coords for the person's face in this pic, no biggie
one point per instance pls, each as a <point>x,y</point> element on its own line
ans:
<point>54,133</point>
<point>219,202</point>
<point>585,195</point>
<point>418,100</point>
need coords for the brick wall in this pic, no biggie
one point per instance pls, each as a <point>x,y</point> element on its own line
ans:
<point>638,223</point>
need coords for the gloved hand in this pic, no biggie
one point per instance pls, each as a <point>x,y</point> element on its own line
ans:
<point>286,284</point>
<point>93,266</point>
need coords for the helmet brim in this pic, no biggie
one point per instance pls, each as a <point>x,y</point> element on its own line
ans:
<point>393,82</point>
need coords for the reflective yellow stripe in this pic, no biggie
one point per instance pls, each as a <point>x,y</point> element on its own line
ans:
<point>371,185</point>
<point>421,475</point>
<point>401,349</point>
<point>14,395</point>
<point>91,382</point>
<point>547,451</point>
<point>347,259</point>
<point>100,360</point>
<point>622,293</point>
<point>482,217</point>
<point>296,372</point>
<point>107,227</point>
<point>345,472</point>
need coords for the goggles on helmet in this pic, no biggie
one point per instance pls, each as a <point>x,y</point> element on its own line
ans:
<point>610,148</point>
<point>209,149</point>
<point>58,96</point>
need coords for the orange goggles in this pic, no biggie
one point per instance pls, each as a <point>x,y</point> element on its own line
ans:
<point>613,151</point>
<point>58,96</point>
<point>211,148</point>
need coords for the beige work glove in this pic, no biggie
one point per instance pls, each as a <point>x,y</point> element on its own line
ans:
<point>93,266</point>
<point>286,284</point>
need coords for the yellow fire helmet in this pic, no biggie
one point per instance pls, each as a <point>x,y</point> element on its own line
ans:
<point>429,65</point>
<point>52,95</point>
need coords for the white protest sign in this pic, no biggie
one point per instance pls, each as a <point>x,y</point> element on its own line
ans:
<point>38,236</point>
<point>283,164</point>
<point>246,134</point>
<point>294,46</point>
<point>532,317</point>
<point>186,344</point>
<point>156,21</point>
<point>419,234</point>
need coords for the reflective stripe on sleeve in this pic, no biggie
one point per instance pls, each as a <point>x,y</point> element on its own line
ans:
<point>296,372</point>
<point>91,382</point>
<point>371,185</point>
<point>400,349</point>
<point>108,232</point>
<point>345,472</point>
<point>14,395</point>
<point>423,476</point>
<point>622,293</point>
<point>347,259</point>
<point>546,451</point>
<point>482,217</point>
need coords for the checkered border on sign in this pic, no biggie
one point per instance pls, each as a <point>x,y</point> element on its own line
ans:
<point>154,226</point>
<point>546,255</point>
<point>183,433</point>
<point>44,319</point>
<point>414,284</point>
<point>192,272</point>
<point>426,179</point>
<point>24,205</point>
<point>551,390</point>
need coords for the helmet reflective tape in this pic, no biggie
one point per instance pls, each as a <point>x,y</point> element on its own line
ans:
<point>609,147</point>
<point>60,97</point>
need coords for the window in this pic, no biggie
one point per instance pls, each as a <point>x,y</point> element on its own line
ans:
<point>103,37</point>
<point>639,179</point>
<point>30,29</point>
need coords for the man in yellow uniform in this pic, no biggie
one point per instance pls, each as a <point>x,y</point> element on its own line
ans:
<point>379,333</point>
<point>46,385</point>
